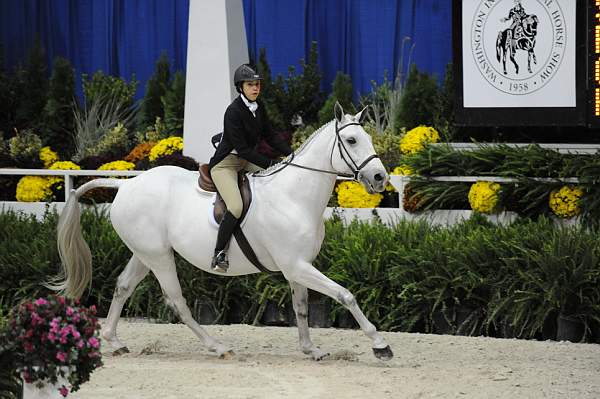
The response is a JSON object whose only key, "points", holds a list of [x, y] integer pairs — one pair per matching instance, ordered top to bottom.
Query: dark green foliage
{"points": [[156, 87], [109, 88], [342, 93], [295, 95], [420, 100], [174, 103], [30, 109], [58, 113], [444, 117], [474, 278]]}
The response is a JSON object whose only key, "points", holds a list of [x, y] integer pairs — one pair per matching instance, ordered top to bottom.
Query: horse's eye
{"points": [[351, 140]]}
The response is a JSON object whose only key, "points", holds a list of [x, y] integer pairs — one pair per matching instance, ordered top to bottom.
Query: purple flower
{"points": [[41, 302], [61, 356]]}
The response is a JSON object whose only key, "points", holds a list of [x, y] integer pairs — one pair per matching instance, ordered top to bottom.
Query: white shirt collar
{"points": [[252, 106]]}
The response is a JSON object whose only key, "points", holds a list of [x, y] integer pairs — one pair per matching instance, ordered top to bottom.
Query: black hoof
{"points": [[121, 351], [383, 353]]}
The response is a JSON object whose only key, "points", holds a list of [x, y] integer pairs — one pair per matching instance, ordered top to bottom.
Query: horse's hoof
{"points": [[121, 351], [383, 353], [227, 355], [321, 356]]}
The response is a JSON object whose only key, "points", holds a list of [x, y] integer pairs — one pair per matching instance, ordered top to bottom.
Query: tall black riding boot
{"points": [[220, 262]]}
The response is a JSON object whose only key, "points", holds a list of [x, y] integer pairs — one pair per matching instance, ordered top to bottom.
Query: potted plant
{"points": [[556, 284], [55, 345]]}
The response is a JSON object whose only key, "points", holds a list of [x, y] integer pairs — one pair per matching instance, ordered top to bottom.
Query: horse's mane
{"points": [[295, 153]]}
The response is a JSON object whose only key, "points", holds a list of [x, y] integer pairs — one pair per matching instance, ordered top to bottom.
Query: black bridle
{"points": [[344, 154]]}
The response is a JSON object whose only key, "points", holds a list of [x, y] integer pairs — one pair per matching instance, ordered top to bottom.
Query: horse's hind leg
{"points": [[164, 269], [134, 272], [307, 275], [300, 302]]}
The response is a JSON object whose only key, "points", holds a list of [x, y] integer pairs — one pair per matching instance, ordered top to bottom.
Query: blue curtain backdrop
{"points": [[363, 38]]}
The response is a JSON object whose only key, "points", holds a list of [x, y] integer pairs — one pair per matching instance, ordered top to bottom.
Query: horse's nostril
{"points": [[378, 177]]}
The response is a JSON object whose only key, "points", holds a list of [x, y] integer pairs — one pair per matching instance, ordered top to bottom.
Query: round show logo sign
{"points": [[518, 45]]}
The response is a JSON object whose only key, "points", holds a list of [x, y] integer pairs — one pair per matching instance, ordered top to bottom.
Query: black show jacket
{"points": [[242, 132]]}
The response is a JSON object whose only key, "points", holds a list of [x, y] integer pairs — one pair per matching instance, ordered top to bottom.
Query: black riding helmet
{"points": [[244, 73]]}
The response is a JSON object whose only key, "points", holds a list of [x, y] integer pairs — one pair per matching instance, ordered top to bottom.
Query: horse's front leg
{"points": [[307, 275], [300, 302]]}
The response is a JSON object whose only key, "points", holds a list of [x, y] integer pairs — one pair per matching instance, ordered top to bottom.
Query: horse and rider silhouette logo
{"points": [[520, 35], [518, 45]]}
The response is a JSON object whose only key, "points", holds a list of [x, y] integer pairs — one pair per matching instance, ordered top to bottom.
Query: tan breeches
{"points": [[224, 175]]}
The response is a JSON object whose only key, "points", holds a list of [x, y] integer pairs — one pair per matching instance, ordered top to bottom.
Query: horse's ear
{"points": [[338, 111], [362, 115]]}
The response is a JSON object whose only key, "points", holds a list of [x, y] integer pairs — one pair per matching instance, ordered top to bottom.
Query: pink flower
{"points": [[61, 300], [41, 302], [93, 309], [70, 311], [76, 318], [35, 319], [75, 333], [51, 337], [63, 340], [93, 341], [80, 344], [28, 346], [94, 354], [61, 356], [26, 377], [64, 391]]}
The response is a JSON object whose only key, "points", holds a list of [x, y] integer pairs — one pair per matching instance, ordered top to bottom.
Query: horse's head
{"points": [[353, 151]]}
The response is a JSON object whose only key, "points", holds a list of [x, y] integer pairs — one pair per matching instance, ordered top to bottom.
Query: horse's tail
{"points": [[74, 252]]}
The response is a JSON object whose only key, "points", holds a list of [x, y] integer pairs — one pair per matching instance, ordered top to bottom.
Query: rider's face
{"points": [[251, 89]]}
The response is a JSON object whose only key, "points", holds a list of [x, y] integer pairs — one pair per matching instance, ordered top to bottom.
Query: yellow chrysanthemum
{"points": [[415, 140], [166, 146], [47, 156], [61, 165], [64, 165], [117, 165], [402, 170], [34, 189], [352, 194], [483, 196], [565, 202]]}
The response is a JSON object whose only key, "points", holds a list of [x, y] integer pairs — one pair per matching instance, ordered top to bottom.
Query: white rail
{"points": [[69, 174]]}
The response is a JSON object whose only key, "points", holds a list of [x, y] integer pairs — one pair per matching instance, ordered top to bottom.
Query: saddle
{"points": [[205, 182]]}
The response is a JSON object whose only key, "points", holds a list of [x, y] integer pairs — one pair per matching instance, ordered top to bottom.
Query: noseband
{"points": [[344, 154]]}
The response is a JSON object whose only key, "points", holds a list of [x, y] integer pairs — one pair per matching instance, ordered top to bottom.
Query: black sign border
{"points": [[580, 115]]}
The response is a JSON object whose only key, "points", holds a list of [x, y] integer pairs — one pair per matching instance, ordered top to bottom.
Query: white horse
{"points": [[162, 210]]}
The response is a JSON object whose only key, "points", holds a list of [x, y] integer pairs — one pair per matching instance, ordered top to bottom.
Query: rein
{"points": [[352, 164]]}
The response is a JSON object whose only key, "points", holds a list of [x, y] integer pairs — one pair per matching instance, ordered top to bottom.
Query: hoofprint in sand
{"points": [[167, 361]]}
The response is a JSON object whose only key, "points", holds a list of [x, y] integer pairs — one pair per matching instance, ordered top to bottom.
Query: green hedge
{"points": [[524, 280]]}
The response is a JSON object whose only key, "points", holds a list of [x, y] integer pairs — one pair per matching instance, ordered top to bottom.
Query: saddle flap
{"points": [[205, 180], [244, 186]]}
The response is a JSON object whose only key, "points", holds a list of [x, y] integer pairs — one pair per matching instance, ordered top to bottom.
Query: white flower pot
{"points": [[47, 390]]}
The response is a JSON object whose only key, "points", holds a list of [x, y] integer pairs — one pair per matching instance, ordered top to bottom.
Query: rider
{"points": [[517, 13], [245, 123]]}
